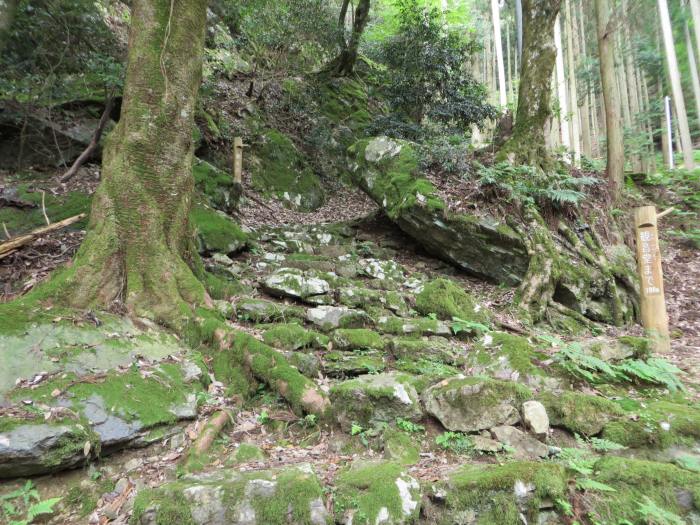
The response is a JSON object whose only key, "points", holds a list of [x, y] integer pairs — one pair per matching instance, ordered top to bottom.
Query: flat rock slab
{"points": [[290, 282], [331, 317], [525, 446]]}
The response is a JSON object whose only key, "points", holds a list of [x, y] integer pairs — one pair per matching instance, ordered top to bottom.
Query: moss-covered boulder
{"points": [[282, 170], [388, 170], [217, 186], [216, 232], [297, 284], [445, 299], [262, 311], [328, 318], [416, 326], [293, 336], [357, 339], [434, 348], [349, 364], [373, 399], [475, 403], [580, 413], [656, 424], [640, 484], [376, 492], [499, 494], [229, 497]]}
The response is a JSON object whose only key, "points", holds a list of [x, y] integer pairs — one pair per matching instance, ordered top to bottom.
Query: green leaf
{"points": [[591, 484]]}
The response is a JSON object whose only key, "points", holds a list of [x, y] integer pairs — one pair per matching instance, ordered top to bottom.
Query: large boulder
{"points": [[590, 279], [475, 403]]}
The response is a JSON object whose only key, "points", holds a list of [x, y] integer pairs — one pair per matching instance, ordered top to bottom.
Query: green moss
{"points": [[345, 101], [284, 172], [215, 184], [399, 186], [58, 207], [216, 232], [221, 288], [447, 300], [262, 311], [413, 325], [293, 336], [357, 339], [641, 346], [519, 354], [342, 364], [492, 392], [580, 413], [657, 424], [401, 447], [247, 452], [634, 480], [367, 488], [489, 488], [84, 499], [292, 502], [172, 507]]}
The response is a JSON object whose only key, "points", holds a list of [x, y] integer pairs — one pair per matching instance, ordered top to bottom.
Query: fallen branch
{"points": [[94, 141], [9, 247], [212, 428]]}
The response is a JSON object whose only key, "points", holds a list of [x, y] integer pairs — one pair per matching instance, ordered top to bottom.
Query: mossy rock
{"points": [[345, 102], [283, 171], [216, 185], [58, 207], [216, 232], [297, 284], [445, 299], [262, 311], [415, 326], [293, 336], [357, 339], [435, 349], [513, 357], [346, 364], [370, 400], [475, 403], [580, 413], [655, 424], [402, 447], [247, 452], [670, 488], [376, 492], [500, 494], [292, 495]]}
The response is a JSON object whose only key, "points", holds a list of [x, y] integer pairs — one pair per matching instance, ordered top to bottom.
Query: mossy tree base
{"points": [[138, 251]]}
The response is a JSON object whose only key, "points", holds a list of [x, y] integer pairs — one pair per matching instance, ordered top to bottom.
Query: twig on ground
{"points": [[12, 245]]}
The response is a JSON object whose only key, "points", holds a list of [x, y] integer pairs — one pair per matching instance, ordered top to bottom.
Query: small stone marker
{"points": [[238, 160], [653, 304]]}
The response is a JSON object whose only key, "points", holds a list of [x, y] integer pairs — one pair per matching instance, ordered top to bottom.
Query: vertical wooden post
{"points": [[238, 160], [654, 317]]}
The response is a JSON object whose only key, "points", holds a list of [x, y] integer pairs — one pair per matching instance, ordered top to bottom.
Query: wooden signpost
{"points": [[238, 160], [654, 317]]}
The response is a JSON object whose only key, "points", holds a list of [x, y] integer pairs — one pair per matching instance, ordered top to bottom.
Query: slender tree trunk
{"points": [[8, 9], [695, 14], [519, 27], [498, 44], [580, 49], [344, 64], [693, 67], [561, 88], [676, 88], [573, 92], [527, 144], [616, 154], [138, 250]]}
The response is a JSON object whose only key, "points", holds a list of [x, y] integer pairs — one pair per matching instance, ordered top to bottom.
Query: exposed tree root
{"points": [[271, 367], [213, 427]]}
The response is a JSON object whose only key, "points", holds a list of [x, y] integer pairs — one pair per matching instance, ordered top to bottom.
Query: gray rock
{"points": [[381, 148], [382, 269], [290, 282], [262, 311], [330, 317], [345, 364], [372, 399], [472, 404], [535, 417], [112, 430], [484, 444], [526, 446], [27, 450], [206, 504]]}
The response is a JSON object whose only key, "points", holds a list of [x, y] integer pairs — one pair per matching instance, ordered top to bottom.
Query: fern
{"points": [[462, 325], [653, 370], [605, 445], [591, 484], [41, 507], [652, 514]]}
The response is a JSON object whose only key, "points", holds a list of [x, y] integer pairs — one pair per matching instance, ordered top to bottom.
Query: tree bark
{"points": [[519, 27], [344, 64], [693, 67], [561, 88], [676, 88], [573, 92], [527, 144], [616, 158], [138, 251]]}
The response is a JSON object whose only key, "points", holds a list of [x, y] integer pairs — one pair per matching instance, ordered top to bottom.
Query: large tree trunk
{"points": [[344, 64], [527, 144], [616, 158], [138, 248]]}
